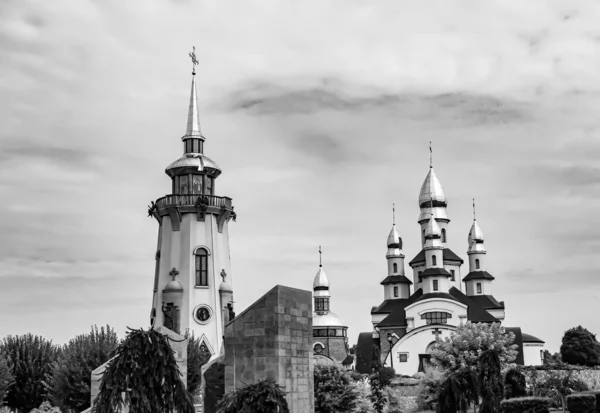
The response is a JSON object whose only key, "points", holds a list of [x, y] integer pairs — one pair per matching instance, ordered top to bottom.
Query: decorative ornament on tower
{"points": [[478, 281], [395, 285], [321, 288]]}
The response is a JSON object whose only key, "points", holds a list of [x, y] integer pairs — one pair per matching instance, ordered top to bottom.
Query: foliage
{"points": [[465, 345], [579, 346], [197, 356], [31, 359], [375, 359], [551, 359], [386, 374], [144, 376], [356, 376], [6, 377], [515, 384], [69, 385], [215, 385], [491, 387], [556, 387], [429, 389], [334, 391], [457, 391], [377, 396], [263, 397], [393, 398], [363, 400], [581, 403], [525, 405], [46, 407]]}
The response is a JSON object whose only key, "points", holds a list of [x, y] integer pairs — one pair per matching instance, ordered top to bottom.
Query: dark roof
{"points": [[447, 253], [429, 272], [478, 275], [396, 279], [435, 295], [487, 301], [393, 306], [475, 313], [528, 338], [364, 352], [348, 360], [520, 360]]}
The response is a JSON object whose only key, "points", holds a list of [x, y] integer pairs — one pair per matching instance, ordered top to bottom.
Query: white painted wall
{"points": [[477, 256], [399, 261], [486, 287], [388, 291], [456, 309], [532, 354]]}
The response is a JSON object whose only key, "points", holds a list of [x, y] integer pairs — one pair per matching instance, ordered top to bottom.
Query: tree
{"points": [[469, 341], [579, 346], [197, 356], [31, 359], [550, 359], [144, 376], [6, 377], [71, 379], [515, 384], [557, 386], [491, 388], [334, 391], [457, 391], [377, 395], [263, 397], [46, 407]]}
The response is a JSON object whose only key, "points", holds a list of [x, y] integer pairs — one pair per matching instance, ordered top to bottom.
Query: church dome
{"points": [[197, 161], [431, 190], [432, 230], [475, 233], [394, 240], [321, 280], [173, 286], [225, 287], [330, 319]]}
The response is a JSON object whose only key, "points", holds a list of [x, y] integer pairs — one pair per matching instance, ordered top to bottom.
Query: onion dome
{"points": [[193, 162], [431, 190], [432, 230], [476, 239], [394, 240], [321, 282], [173, 286], [225, 288], [327, 320]]}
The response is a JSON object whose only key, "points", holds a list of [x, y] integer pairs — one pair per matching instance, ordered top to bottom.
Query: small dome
{"points": [[192, 160], [431, 189], [432, 230], [475, 234], [394, 240], [320, 279], [173, 286], [225, 287], [327, 320]]}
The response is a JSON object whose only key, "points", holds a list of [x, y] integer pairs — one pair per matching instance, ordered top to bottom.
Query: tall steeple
{"points": [[433, 200], [478, 281], [395, 285], [321, 288]]}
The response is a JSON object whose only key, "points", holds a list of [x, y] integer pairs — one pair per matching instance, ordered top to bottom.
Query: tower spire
{"points": [[193, 121]]}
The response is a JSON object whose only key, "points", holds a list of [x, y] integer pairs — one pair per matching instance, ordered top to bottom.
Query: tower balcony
{"points": [[175, 206]]}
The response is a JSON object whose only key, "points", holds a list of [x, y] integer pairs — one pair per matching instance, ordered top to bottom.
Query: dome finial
{"points": [[192, 54], [430, 156], [393, 214], [474, 218], [320, 257]]}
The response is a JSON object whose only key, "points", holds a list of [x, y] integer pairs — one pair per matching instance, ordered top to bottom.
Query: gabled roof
{"points": [[447, 254], [430, 272], [478, 275], [396, 279], [487, 301], [392, 306], [475, 312], [528, 338]]}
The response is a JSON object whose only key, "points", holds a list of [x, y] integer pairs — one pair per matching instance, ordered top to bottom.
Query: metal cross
{"points": [[194, 60], [430, 156], [394, 214], [474, 218], [320, 257], [174, 273], [223, 274], [437, 333]]}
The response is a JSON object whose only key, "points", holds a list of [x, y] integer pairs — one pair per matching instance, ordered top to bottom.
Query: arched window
{"points": [[443, 234], [201, 257], [433, 260], [477, 263], [395, 266], [420, 277], [435, 285], [478, 288], [395, 291], [436, 317]]}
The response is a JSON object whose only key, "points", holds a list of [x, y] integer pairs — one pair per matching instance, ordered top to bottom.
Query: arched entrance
{"points": [[424, 358]]}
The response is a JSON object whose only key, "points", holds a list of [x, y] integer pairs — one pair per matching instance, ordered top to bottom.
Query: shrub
{"points": [[579, 346], [386, 374], [356, 376], [214, 377], [515, 384], [557, 386], [491, 387], [429, 389], [333, 390], [458, 391], [596, 394], [263, 397], [393, 399], [363, 400], [581, 403], [525, 405], [46, 407]]}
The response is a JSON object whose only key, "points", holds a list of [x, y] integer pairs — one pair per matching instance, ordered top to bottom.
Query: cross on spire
{"points": [[192, 55], [430, 156], [394, 214], [474, 219], [320, 257], [174, 273]]}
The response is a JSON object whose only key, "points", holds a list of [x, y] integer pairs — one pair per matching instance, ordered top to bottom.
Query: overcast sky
{"points": [[320, 115]]}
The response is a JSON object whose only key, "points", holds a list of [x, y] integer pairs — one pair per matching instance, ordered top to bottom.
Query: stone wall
{"points": [[272, 340]]}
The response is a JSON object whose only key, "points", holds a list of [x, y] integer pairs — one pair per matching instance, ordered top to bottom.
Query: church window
{"points": [[196, 184], [183, 185], [208, 186], [443, 234], [201, 257], [433, 260], [477, 263], [395, 267], [420, 277], [452, 277], [435, 285], [478, 288], [395, 291], [321, 304], [436, 317], [315, 332], [318, 348], [403, 357]]}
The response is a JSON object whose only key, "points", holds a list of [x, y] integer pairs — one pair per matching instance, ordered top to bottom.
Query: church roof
{"points": [[431, 190], [448, 256], [429, 272], [478, 275], [396, 279], [487, 301], [475, 312], [528, 338], [348, 360]]}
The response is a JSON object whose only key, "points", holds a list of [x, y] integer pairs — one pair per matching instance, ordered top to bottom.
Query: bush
{"points": [[579, 346], [386, 374], [357, 376], [515, 384], [215, 386], [429, 389], [334, 391], [458, 391], [596, 394], [263, 397], [363, 400], [581, 403], [525, 405], [46, 407]]}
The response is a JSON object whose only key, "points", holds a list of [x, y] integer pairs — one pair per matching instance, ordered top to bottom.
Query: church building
{"points": [[416, 312]]}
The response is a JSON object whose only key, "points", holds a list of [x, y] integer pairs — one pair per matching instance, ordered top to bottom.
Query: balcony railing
{"points": [[192, 200]]}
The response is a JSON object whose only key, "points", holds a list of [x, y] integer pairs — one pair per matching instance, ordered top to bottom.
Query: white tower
{"points": [[434, 279], [478, 281], [192, 284], [395, 285]]}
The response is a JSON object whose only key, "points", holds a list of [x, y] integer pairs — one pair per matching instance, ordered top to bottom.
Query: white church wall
{"points": [[457, 275], [486, 287], [458, 311], [533, 353]]}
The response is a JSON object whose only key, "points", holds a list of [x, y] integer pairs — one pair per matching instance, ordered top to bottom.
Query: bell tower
{"points": [[192, 282]]}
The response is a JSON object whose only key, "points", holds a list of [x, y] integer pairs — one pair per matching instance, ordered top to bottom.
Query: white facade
{"points": [[533, 354]]}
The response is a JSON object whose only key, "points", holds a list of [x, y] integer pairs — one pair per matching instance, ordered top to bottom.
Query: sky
{"points": [[320, 115]]}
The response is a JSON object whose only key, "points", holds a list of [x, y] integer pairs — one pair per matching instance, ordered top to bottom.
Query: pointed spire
{"points": [[193, 122]]}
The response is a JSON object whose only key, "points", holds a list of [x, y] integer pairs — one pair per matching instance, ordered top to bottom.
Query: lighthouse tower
{"points": [[192, 283]]}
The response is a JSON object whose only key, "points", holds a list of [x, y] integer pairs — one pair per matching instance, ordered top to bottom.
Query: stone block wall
{"points": [[272, 340]]}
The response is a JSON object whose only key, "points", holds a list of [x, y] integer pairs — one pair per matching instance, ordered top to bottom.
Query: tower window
{"points": [[197, 184], [183, 185], [208, 186], [443, 234], [423, 236], [201, 257], [433, 260], [477, 263], [395, 266], [420, 278], [452, 278], [435, 285], [478, 288], [395, 291], [321, 304], [403, 357]]}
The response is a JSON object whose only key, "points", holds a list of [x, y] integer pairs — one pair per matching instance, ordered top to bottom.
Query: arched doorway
{"points": [[425, 357]]}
